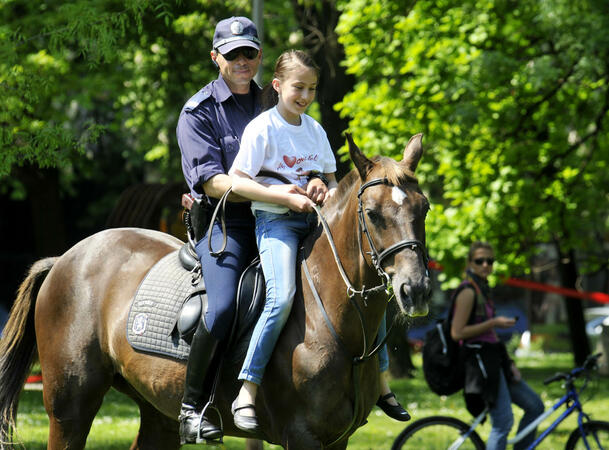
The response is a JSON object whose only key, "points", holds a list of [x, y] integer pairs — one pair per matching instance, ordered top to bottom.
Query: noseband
{"points": [[377, 257]]}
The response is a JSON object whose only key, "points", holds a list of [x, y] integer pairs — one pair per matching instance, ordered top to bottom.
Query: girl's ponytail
{"points": [[270, 97]]}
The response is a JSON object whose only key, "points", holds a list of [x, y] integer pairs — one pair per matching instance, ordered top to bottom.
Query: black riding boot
{"points": [[203, 355]]}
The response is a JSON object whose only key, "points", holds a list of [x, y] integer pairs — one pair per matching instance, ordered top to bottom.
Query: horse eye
{"points": [[373, 215]]}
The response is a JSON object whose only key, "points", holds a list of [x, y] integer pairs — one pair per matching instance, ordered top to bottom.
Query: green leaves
{"points": [[512, 108]]}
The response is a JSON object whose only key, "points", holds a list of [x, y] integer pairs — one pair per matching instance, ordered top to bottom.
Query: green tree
{"points": [[74, 71], [91, 86], [92, 91], [513, 100]]}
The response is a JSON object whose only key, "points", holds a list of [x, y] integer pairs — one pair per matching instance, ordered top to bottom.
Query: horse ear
{"points": [[413, 152], [363, 164]]}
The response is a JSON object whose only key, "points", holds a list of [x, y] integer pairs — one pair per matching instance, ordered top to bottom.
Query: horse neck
{"points": [[341, 216]]}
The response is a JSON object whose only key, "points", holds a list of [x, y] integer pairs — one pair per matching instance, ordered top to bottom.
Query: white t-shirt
{"points": [[270, 143]]}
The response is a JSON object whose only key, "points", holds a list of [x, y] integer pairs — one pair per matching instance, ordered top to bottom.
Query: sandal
{"points": [[396, 412], [245, 423]]}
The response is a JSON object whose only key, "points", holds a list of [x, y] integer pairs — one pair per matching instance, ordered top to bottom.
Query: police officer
{"points": [[209, 129]]}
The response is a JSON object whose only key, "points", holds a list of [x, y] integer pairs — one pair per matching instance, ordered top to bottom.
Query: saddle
{"points": [[250, 296], [171, 298]]}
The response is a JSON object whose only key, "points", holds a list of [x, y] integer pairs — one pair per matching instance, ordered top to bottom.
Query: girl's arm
{"points": [[247, 187], [463, 307]]}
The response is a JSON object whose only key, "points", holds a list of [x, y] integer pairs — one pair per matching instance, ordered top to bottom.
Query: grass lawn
{"points": [[117, 422]]}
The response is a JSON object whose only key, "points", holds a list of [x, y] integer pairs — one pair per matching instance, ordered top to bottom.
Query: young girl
{"points": [[286, 141], [290, 143]]}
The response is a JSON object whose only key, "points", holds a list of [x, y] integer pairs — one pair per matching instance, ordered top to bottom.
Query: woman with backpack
{"points": [[491, 377]]}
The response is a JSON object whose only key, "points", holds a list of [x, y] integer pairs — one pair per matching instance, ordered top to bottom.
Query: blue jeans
{"points": [[278, 237], [502, 418]]}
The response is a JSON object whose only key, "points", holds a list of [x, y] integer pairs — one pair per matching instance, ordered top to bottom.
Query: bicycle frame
{"points": [[571, 399], [455, 445]]}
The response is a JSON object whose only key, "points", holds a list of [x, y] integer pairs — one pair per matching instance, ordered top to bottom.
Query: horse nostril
{"points": [[428, 289], [407, 293]]}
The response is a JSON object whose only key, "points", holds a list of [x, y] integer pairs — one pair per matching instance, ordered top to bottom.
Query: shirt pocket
{"points": [[230, 147]]}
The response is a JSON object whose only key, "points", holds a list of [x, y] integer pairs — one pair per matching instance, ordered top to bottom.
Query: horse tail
{"points": [[18, 347]]}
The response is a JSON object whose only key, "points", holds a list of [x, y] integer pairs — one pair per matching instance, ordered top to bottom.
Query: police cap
{"points": [[235, 32]]}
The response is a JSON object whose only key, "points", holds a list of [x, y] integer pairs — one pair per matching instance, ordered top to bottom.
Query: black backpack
{"points": [[443, 366]]}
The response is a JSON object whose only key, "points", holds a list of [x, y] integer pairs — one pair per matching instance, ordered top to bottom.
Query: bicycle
{"points": [[443, 432]]}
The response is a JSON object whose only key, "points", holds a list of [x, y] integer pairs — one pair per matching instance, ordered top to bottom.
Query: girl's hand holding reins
{"points": [[287, 188], [317, 190], [329, 194], [299, 203]]}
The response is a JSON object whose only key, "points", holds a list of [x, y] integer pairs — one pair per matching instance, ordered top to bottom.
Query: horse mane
{"points": [[384, 167], [396, 173]]}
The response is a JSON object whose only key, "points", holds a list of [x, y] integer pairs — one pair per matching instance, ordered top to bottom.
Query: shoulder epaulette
{"points": [[196, 99]]}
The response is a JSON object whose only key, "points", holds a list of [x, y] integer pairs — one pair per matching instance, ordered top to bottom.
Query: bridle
{"points": [[377, 257]]}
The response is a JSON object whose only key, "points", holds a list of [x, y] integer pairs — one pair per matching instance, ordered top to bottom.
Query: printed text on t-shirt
{"points": [[291, 161]]}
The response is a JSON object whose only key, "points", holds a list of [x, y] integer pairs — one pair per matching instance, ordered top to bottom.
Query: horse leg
{"points": [[75, 372], [71, 407], [156, 430], [307, 441], [253, 444]]}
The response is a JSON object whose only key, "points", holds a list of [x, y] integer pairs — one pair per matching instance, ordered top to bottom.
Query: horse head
{"points": [[391, 213]]}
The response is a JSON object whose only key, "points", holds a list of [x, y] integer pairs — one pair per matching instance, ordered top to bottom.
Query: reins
{"points": [[221, 207]]}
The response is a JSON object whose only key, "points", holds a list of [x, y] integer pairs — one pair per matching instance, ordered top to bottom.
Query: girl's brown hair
{"points": [[286, 62]]}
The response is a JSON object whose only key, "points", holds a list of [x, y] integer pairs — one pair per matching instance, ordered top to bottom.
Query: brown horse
{"points": [[73, 310]]}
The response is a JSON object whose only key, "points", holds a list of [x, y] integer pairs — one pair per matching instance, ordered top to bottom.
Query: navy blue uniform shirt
{"points": [[209, 131]]}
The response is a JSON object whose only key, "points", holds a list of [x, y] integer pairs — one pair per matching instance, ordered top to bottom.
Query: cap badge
{"points": [[236, 27]]}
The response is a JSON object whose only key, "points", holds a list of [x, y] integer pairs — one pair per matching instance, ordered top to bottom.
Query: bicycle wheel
{"points": [[437, 433], [597, 436]]}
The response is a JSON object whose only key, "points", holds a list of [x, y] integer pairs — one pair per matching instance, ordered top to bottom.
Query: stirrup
{"points": [[188, 436], [203, 440]]}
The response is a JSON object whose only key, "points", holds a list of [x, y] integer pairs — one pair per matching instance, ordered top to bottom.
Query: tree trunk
{"points": [[318, 21], [42, 187], [575, 313], [253, 444]]}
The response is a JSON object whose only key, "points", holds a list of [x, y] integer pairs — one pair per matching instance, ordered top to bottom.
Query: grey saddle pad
{"points": [[153, 313]]}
